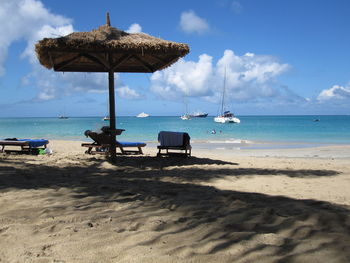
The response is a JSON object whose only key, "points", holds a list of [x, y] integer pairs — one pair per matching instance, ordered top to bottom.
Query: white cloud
{"points": [[27, 20], [30, 21], [191, 23], [134, 28], [44, 31], [185, 78], [248, 78], [58, 84], [126, 93], [334, 93]]}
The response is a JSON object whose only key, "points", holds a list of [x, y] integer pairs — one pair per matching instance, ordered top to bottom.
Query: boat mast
{"points": [[223, 94], [186, 105]]}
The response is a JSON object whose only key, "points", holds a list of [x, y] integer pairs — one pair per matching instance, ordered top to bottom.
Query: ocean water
{"points": [[278, 129]]}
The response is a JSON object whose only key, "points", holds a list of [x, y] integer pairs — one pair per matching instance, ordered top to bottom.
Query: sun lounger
{"points": [[174, 141], [101, 143], [30, 146], [95, 148]]}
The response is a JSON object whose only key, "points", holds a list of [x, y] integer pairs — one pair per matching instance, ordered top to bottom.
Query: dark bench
{"points": [[174, 144]]}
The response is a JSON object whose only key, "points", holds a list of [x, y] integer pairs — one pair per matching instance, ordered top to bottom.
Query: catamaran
{"points": [[226, 116]]}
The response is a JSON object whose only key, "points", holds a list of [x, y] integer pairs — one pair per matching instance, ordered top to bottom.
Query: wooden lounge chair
{"points": [[173, 142], [101, 143], [29, 146], [96, 148]]}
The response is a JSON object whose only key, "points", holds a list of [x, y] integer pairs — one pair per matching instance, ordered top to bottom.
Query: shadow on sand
{"points": [[208, 221]]}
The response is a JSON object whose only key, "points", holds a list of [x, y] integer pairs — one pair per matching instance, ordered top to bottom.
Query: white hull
{"points": [[142, 115], [226, 116], [185, 117], [222, 119]]}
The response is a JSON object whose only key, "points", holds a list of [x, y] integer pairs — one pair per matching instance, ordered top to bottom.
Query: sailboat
{"points": [[63, 116], [186, 116], [226, 116], [106, 118]]}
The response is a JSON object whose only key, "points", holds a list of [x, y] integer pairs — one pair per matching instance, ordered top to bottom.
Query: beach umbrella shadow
{"points": [[209, 221]]}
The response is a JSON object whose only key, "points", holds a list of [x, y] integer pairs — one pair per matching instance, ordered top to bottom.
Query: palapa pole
{"points": [[112, 122], [112, 125]]}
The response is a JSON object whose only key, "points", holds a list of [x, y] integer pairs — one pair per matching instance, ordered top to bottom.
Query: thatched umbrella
{"points": [[108, 49]]}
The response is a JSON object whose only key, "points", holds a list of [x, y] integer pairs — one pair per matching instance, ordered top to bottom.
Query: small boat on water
{"points": [[142, 115], [199, 115], [226, 116], [62, 117], [185, 117], [106, 118]]}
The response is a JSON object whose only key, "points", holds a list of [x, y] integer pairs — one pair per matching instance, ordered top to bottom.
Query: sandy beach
{"points": [[253, 205]]}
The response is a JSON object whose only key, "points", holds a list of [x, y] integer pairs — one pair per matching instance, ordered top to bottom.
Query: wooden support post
{"points": [[112, 121]]}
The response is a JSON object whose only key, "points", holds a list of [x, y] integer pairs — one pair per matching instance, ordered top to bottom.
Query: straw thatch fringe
{"points": [[107, 39]]}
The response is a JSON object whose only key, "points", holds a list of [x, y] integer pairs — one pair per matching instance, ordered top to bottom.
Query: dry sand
{"points": [[290, 205]]}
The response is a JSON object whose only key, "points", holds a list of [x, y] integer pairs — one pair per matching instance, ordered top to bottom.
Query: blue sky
{"points": [[280, 57]]}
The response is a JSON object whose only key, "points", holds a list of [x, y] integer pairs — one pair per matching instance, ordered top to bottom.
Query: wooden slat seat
{"points": [[102, 141], [169, 146], [95, 148]]}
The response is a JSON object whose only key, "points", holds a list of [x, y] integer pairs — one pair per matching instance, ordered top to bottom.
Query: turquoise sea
{"points": [[275, 129]]}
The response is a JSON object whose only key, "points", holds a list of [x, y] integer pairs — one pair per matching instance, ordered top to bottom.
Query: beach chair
{"points": [[102, 140], [173, 142], [28, 146]]}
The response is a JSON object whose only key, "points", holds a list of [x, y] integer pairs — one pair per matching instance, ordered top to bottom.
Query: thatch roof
{"points": [[106, 48]]}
